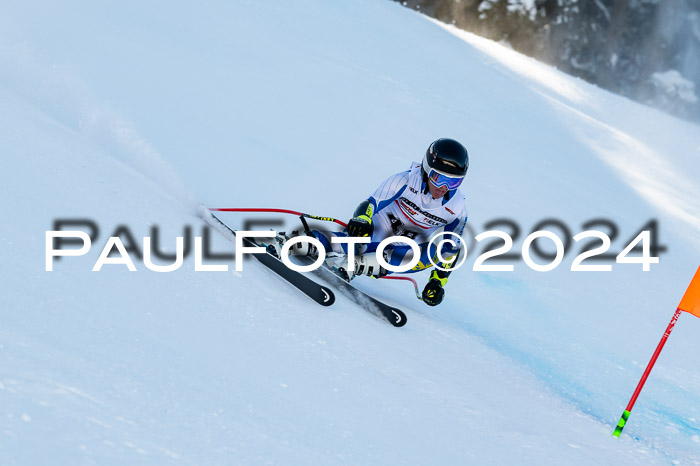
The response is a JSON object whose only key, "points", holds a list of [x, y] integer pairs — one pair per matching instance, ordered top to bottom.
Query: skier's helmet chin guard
{"points": [[445, 163]]}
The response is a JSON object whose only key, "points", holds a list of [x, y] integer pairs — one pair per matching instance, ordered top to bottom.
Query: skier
{"points": [[415, 203]]}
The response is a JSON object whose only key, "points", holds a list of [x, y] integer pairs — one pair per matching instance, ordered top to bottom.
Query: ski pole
{"points": [[282, 211], [415, 285], [655, 356]]}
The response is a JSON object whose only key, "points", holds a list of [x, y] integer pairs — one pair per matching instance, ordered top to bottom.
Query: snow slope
{"points": [[133, 113]]}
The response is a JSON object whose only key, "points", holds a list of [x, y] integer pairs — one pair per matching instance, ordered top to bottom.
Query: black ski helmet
{"points": [[446, 156]]}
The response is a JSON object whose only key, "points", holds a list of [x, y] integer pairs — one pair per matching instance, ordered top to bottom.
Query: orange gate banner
{"points": [[691, 298]]}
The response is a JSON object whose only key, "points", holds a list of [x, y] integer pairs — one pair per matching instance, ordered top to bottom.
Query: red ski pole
{"points": [[281, 211], [415, 285], [633, 400]]}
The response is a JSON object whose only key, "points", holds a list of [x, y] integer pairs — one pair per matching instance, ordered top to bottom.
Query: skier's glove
{"points": [[360, 226], [434, 291]]}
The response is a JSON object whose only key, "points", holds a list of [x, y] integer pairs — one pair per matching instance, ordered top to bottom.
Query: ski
{"points": [[319, 293], [394, 316]]}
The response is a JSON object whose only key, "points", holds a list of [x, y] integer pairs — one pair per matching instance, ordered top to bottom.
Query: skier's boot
{"points": [[274, 246], [364, 264]]}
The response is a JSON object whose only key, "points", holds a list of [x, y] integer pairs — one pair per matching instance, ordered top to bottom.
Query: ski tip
{"points": [[328, 298], [399, 318]]}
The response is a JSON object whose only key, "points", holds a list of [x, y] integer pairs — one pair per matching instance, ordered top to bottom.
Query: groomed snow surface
{"points": [[134, 113]]}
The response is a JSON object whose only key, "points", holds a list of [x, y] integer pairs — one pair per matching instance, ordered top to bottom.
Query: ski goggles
{"points": [[440, 179]]}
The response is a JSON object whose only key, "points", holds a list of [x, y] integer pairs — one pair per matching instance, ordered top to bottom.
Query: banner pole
{"points": [[633, 400]]}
